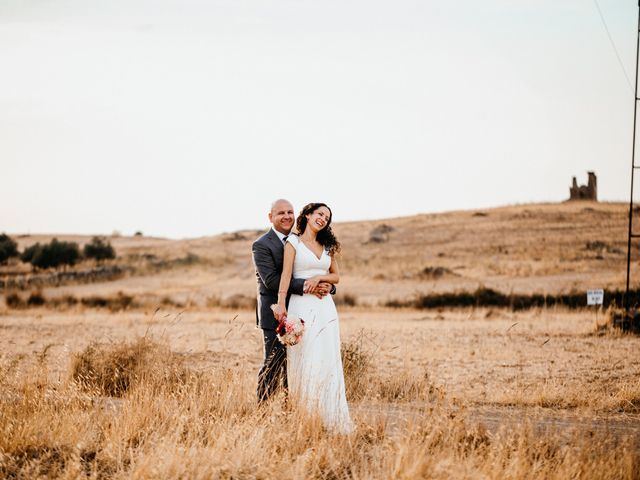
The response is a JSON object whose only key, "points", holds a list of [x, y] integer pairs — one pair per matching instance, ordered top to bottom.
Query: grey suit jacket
{"points": [[268, 255]]}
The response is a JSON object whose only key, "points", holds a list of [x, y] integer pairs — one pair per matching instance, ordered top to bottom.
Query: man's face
{"points": [[281, 217]]}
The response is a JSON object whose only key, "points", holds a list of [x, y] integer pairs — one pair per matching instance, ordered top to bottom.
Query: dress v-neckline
{"points": [[312, 252]]}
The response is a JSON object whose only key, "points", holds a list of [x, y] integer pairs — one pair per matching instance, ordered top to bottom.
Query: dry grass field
{"points": [[541, 248], [162, 386]]}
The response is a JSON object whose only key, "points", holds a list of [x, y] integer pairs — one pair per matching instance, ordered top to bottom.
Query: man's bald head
{"points": [[280, 204], [281, 216]]}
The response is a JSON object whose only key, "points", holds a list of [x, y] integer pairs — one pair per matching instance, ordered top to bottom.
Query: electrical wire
{"points": [[613, 45]]}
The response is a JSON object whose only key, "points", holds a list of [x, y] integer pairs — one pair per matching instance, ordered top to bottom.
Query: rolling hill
{"points": [[533, 248]]}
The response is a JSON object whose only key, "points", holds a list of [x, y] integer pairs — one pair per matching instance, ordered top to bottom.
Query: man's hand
{"points": [[310, 285], [322, 289]]}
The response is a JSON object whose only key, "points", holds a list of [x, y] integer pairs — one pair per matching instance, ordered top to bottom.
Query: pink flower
{"points": [[290, 330]]}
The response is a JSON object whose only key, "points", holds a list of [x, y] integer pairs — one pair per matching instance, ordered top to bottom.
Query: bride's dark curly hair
{"points": [[325, 237]]}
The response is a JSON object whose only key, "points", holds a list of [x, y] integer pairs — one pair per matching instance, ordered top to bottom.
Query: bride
{"points": [[314, 365]]}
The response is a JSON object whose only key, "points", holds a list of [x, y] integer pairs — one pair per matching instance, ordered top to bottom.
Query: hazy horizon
{"points": [[186, 119], [266, 225]]}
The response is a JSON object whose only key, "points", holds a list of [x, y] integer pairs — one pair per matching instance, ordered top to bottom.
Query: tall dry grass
{"points": [[165, 420]]}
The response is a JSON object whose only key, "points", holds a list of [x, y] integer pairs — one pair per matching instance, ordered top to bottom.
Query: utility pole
{"points": [[627, 300]]}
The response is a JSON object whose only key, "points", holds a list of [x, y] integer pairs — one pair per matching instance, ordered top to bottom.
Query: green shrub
{"points": [[8, 248], [99, 249], [30, 252], [52, 255], [487, 297], [36, 299], [347, 299], [13, 300], [63, 301], [121, 301]]}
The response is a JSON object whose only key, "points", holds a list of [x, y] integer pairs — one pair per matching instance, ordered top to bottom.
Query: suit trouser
{"points": [[273, 373]]}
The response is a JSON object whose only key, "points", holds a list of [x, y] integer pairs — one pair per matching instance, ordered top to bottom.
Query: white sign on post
{"points": [[595, 297]]}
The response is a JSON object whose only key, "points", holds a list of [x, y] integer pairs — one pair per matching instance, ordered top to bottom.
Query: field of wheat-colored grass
{"points": [[152, 373], [462, 394]]}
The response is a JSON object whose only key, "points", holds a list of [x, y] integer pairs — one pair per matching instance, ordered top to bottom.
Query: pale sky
{"points": [[186, 118]]}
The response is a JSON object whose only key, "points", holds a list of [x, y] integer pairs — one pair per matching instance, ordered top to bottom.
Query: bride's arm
{"points": [[332, 277], [285, 280]]}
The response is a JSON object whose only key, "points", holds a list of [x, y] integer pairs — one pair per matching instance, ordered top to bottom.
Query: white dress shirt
{"points": [[281, 236]]}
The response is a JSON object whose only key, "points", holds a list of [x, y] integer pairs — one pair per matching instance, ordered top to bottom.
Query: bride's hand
{"points": [[310, 284], [322, 290], [279, 311]]}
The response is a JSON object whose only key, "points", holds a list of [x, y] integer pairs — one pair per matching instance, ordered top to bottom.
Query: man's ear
{"points": [[270, 217]]}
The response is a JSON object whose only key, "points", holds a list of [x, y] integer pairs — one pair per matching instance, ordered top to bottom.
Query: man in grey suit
{"points": [[268, 254]]}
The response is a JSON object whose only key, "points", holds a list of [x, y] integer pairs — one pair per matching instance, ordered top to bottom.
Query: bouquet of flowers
{"points": [[290, 330]]}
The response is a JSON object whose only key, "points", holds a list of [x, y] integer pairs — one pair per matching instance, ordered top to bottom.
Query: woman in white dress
{"points": [[314, 365]]}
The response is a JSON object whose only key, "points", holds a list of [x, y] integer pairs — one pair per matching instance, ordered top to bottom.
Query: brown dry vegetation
{"points": [[541, 248], [152, 374], [466, 394], [205, 425]]}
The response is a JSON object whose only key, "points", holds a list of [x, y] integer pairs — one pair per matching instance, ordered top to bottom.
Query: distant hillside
{"points": [[545, 248]]}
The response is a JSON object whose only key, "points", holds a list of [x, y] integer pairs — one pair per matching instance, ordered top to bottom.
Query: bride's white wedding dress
{"points": [[314, 366]]}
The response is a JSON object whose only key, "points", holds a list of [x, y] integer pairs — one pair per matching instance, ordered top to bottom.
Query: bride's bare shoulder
{"points": [[293, 239]]}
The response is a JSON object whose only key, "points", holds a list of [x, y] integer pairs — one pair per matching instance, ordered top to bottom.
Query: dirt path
{"points": [[564, 423]]}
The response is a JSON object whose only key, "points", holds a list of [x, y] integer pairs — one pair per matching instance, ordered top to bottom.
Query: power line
{"points": [[613, 44]]}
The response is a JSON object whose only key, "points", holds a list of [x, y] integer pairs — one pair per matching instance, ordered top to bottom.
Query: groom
{"points": [[268, 254]]}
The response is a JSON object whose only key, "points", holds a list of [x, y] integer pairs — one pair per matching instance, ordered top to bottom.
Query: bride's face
{"points": [[318, 219]]}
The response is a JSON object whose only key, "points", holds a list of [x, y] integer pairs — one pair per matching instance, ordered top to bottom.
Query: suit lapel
{"points": [[278, 248]]}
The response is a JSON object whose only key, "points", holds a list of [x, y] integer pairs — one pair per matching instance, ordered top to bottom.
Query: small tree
{"points": [[8, 248], [100, 249], [30, 252], [69, 253], [52, 255]]}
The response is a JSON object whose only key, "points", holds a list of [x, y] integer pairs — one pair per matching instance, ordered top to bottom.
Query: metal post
{"points": [[633, 168]]}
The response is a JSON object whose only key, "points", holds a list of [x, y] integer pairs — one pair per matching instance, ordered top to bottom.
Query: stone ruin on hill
{"points": [[585, 192]]}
